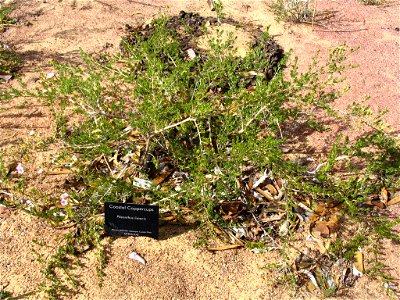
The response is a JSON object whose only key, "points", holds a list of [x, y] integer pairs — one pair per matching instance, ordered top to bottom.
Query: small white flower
{"points": [[191, 54], [50, 75], [32, 132], [20, 168], [64, 199], [29, 204], [59, 214]]}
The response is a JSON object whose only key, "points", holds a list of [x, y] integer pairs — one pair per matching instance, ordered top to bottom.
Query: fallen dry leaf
{"points": [[162, 176], [251, 182], [271, 189], [266, 194], [384, 195], [394, 200], [377, 203], [230, 210], [320, 210], [276, 217], [169, 218], [314, 218], [62, 224], [333, 224], [320, 229], [217, 230], [322, 247], [304, 261], [359, 261], [312, 284]]}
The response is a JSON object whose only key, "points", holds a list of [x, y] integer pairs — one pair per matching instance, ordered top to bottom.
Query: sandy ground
{"points": [[52, 29]]}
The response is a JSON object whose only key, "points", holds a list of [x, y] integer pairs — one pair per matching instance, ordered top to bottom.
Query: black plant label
{"points": [[128, 219]]}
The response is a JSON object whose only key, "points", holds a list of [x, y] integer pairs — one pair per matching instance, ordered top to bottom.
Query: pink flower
{"points": [[20, 168], [40, 171], [64, 199]]}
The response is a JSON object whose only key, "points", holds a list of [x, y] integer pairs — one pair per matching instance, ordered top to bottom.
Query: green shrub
{"points": [[296, 11], [211, 118]]}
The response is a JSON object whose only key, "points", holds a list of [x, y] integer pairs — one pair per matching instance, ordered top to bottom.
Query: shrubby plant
{"points": [[373, 2], [296, 11], [5, 19], [153, 109]]}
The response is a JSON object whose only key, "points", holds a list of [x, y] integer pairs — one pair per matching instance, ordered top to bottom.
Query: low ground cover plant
{"points": [[373, 2], [5, 19], [10, 61], [209, 137]]}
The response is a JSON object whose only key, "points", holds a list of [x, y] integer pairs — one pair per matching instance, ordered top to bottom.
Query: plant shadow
{"points": [[31, 59], [168, 230]]}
